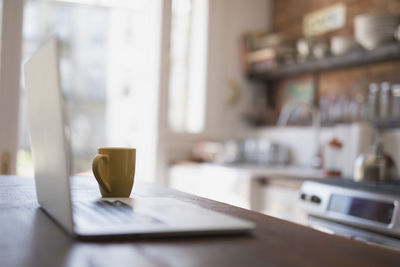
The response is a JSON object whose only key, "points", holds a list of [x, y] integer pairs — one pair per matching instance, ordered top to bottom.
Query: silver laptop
{"points": [[102, 217]]}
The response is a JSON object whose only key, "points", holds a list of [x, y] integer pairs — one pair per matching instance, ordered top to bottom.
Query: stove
{"points": [[389, 188], [365, 211]]}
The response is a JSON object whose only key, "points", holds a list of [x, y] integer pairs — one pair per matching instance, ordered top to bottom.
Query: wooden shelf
{"points": [[360, 57], [386, 124]]}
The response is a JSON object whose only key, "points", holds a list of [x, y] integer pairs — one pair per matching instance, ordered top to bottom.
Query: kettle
{"points": [[375, 165]]}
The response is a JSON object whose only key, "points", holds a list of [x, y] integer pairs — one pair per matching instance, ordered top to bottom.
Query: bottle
{"points": [[373, 101], [385, 101], [332, 151]]}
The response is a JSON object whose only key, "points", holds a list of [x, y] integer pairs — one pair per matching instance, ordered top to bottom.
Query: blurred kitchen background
{"points": [[233, 100]]}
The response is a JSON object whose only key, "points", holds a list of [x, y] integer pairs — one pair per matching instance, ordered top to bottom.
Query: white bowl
{"points": [[373, 30]]}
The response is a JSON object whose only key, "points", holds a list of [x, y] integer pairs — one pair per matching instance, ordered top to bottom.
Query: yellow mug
{"points": [[114, 170]]}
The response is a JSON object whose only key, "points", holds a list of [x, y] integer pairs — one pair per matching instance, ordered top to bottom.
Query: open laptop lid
{"points": [[47, 129]]}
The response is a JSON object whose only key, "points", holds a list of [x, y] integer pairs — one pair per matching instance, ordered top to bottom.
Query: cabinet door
{"points": [[215, 182], [281, 199]]}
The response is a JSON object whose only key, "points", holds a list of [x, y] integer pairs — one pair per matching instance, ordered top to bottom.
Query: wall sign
{"points": [[324, 20]]}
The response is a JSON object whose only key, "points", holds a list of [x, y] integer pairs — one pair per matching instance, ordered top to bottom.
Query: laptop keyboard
{"points": [[103, 212]]}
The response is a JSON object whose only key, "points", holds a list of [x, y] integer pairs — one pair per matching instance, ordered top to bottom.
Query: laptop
{"points": [[102, 217]]}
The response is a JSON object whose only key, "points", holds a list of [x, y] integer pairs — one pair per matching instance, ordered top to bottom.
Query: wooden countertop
{"points": [[29, 238]]}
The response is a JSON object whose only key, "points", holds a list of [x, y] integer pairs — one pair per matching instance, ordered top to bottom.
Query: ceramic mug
{"points": [[114, 170]]}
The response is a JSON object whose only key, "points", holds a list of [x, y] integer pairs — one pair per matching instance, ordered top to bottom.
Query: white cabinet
{"points": [[217, 183], [279, 198]]}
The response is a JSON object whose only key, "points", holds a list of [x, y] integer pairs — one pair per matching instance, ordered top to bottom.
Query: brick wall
{"points": [[288, 15]]}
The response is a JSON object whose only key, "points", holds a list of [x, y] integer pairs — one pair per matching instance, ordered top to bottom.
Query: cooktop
{"points": [[390, 188]]}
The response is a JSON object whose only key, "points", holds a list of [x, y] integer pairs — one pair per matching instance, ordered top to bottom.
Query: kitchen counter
{"points": [[258, 171], [273, 190], [30, 238]]}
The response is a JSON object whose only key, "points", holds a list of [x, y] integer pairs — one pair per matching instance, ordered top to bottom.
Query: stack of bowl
{"points": [[373, 30]]}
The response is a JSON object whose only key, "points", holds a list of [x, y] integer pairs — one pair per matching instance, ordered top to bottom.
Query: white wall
{"points": [[228, 21], [356, 139], [300, 140], [392, 145]]}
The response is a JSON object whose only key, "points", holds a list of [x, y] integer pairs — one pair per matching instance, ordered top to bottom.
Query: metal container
{"points": [[385, 100], [373, 101], [396, 101], [375, 165]]}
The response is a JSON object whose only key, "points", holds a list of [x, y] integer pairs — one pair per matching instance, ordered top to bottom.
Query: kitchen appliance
{"points": [[375, 165], [364, 211]]}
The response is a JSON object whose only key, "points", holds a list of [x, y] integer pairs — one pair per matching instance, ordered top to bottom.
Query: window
{"points": [[188, 58], [108, 69]]}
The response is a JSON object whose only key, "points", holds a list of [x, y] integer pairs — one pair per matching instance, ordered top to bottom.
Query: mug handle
{"points": [[97, 161]]}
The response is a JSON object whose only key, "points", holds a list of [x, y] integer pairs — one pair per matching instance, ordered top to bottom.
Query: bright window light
{"points": [[188, 57], [108, 65]]}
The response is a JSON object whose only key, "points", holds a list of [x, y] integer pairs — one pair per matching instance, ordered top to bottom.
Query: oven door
{"points": [[354, 233]]}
